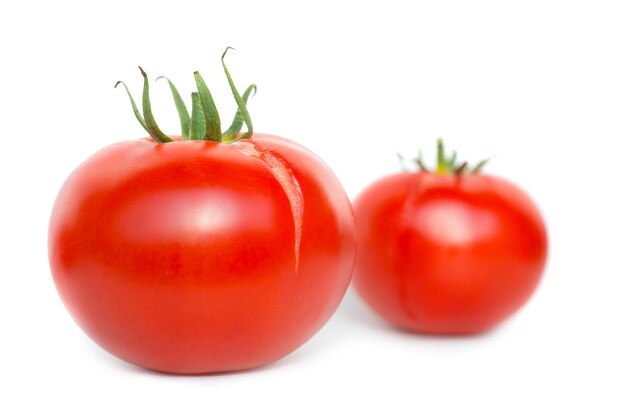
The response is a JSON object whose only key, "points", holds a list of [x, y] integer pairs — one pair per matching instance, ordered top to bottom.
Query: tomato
{"points": [[447, 253], [193, 256], [189, 257]]}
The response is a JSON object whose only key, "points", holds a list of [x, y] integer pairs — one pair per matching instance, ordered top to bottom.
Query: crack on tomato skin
{"points": [[284, 175], [416, 186]]}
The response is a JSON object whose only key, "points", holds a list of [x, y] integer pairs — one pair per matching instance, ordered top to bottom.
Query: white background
{"points": [[540, 85]]}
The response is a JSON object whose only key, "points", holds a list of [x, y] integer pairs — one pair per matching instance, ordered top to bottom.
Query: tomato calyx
{"points": [[204, 122], [445, 164]]}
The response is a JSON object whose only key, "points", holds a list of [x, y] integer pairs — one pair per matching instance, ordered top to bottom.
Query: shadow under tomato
{"points": [[126, 367]]}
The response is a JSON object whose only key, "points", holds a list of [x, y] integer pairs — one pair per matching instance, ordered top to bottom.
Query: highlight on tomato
{"points": [[448, 250], [206, 252]]}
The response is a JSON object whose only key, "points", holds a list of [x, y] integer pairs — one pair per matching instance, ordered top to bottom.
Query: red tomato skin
{"points": [[447, 254], [180, 257]]}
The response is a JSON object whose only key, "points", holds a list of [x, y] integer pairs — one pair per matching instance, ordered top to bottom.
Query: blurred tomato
{"points": [[449, 251]]}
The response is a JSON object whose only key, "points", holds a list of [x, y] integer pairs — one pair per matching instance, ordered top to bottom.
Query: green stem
{"points": [[441, 158]]}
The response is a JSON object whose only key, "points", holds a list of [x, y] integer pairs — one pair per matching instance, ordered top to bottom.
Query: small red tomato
{"points": [[447, 252], [199, 256]]}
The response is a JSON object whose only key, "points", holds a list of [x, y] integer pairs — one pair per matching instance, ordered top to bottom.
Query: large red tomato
{"points": [[447, 252], [195, 256]]}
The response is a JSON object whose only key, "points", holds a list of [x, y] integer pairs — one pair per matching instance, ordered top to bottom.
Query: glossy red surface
{"points": [[447, 254], [184, 257]]}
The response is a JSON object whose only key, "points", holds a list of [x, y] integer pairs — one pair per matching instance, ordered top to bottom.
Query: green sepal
{"points": [[241, 104], [134, 105], [183, 114], [238, 120], [204, 121], [151, 125], [212, 128], [196, 131], [401, 161], [420, 161], [451, 161], [445, 164], [479, 166], [461, 169]]}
